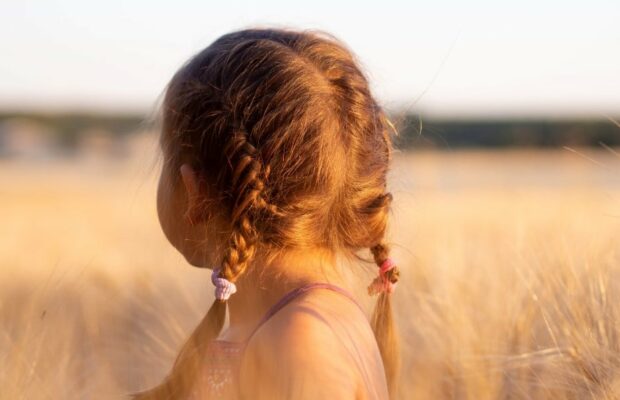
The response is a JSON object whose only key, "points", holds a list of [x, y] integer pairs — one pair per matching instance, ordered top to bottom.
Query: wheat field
{"points": [[509, 290]]}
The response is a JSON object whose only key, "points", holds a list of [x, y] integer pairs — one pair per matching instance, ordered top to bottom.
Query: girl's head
{"points": [[283, 147]]}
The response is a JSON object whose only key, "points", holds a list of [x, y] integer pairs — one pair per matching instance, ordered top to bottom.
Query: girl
{"points": [[275, 163]]}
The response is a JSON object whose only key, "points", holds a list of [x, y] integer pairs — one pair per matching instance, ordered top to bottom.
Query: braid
{"points": [[248, 176], [248, 189], [380, 253], [382, 321]]}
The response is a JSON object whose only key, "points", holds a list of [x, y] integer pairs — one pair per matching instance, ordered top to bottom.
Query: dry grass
{"points": [[511, 268]]}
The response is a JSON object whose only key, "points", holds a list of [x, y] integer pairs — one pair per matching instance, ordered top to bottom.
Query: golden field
{"points": [[510, 287]]}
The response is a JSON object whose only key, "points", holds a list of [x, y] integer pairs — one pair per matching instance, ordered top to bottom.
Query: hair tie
{"points": [[382, 283], [223, 287]]}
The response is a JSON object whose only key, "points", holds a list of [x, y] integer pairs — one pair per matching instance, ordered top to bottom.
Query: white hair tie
{"points": [[223, 287]]}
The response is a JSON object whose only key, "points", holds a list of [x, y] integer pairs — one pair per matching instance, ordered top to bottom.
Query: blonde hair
{"points": [[284, 125]]}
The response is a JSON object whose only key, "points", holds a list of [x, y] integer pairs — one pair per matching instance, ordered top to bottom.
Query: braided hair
{"points": [[285, 126]]}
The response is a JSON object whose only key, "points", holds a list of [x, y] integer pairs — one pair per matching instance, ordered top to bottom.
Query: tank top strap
{"points": [[287, 298]]}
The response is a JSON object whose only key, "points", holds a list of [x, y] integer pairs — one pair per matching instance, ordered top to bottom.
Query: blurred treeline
{"points": [[416, 132], [71, 133], [45, 135]]}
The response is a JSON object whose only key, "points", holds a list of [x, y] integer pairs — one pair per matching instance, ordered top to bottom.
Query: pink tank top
{"points": [[219, 378]]}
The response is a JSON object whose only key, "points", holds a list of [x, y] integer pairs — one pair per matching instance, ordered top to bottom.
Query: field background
{"points": [[510, 263]]}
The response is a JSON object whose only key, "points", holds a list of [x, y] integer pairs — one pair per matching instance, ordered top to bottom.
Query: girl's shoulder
{"points": [[319, 344]]}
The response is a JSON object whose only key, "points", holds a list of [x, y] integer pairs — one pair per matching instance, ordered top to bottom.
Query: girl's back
{"points": [[285, 343]]}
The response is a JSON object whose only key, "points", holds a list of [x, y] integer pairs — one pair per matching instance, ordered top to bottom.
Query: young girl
{"points": [[275, 163]]}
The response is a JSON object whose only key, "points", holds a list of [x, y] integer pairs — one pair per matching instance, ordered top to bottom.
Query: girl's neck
{"points": [[265, 281]]}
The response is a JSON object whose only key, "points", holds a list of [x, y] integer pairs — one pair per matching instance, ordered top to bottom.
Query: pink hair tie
{"points": [[382, 282], [223, 287]]}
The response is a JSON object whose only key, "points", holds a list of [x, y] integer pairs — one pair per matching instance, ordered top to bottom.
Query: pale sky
{"points": [[475, 58]]}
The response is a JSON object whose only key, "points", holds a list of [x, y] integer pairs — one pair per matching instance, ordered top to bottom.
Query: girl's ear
{"points": [[190, 183]]}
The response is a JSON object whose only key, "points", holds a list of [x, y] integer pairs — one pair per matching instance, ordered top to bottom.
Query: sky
{"points": [[445, 58]]}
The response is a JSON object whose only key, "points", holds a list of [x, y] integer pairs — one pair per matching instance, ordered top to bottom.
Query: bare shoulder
{"points": [[318, 345]]}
